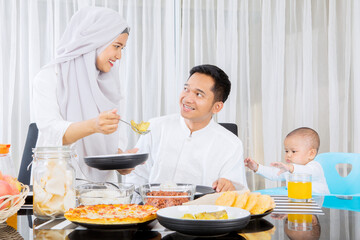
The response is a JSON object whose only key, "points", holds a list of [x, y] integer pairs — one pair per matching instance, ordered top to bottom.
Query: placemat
{"points": [[285, 206]]}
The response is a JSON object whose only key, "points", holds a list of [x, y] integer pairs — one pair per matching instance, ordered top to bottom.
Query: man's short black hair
{"points": [[222, 84]]}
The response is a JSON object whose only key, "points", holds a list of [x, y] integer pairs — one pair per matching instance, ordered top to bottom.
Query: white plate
{"points": [[171, 218]]}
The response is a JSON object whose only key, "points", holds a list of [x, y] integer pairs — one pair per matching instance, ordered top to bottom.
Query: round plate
{"points": [[116, 161], [256, 216], [171, 218], [113, 226]]}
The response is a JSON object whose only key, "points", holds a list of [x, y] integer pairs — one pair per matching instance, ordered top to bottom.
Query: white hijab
{"points": [[82, 91]]}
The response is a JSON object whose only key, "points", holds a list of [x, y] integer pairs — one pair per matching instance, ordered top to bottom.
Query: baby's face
{"points": [[297, 150]]}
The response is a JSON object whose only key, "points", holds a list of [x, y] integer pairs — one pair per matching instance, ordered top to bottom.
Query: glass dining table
{"points": [[339, 218]]}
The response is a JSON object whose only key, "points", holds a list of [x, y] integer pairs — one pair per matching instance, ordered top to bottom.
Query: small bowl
{"points": [[104, 193], [161, 196]]}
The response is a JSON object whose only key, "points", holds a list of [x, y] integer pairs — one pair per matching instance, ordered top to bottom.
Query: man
{"points": [[193, 148]]}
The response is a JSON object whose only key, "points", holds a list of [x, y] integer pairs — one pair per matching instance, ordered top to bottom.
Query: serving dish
{"points": [[116, 161], [104, 193], [161, 196], [171, 218]]}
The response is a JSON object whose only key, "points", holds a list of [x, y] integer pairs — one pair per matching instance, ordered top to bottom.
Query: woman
{"points": [[77, 96]]}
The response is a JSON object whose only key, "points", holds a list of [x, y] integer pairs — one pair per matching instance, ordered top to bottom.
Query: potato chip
{"points": [[226, 199], [241, 200], [251, 201], [262, 205]]}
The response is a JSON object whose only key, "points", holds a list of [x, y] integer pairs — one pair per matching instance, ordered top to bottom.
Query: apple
{"points": [[14, 183], [5, 189]]}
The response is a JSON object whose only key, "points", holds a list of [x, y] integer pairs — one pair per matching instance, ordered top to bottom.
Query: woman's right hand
{"points": [[107, 122]]}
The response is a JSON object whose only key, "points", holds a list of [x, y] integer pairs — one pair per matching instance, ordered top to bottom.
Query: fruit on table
{"points": [[8, 186]]}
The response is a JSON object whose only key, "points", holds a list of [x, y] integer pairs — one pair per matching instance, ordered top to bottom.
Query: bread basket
{"points": [[16, 201]]}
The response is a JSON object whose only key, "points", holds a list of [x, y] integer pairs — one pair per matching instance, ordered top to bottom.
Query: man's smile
{"points": [[188, 108]]}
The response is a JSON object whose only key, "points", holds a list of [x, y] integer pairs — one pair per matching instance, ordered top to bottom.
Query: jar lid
{"points": [[4, 148], [64, 149]]}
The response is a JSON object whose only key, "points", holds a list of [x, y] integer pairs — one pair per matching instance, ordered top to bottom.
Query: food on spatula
{"points": [[141, 127], [255, 203], [207, 215]]}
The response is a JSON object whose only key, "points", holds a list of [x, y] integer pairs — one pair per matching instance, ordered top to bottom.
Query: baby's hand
{"points": [[251, 164], [284, 167]]}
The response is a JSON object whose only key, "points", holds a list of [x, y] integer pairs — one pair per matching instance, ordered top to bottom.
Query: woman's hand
{"points": [[107, 122]]}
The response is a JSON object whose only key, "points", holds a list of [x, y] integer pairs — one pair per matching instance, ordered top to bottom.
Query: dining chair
{"points": [[232, 127], [24, 172], [337, 184]]}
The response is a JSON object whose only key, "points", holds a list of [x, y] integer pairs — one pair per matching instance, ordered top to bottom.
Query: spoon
{"points": [[135, 129]]}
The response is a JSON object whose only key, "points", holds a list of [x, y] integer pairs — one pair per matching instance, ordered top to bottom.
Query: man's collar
{"points": [[187, 130]]}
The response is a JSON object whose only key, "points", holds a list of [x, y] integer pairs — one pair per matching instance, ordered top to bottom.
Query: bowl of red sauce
{"points": [[167, 195]]}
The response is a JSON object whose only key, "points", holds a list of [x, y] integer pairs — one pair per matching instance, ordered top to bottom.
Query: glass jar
{"points": [[53, 182]]}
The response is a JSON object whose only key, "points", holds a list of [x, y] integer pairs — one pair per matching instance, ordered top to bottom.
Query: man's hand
{"points": [[107, 122], [134, 150], [251, 164], [284, 167], [129, 170], [125, 171], [223, 185]]}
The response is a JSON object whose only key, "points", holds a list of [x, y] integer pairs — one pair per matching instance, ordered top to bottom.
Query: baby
{"points": [[301, 146]]}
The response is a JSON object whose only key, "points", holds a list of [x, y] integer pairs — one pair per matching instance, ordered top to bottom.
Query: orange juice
{"points": [[299, 190], [300, 218], [12, 221], [300, 222]]}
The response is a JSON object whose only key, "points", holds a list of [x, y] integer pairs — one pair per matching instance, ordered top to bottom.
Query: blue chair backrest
{"points": [[337, 184]]}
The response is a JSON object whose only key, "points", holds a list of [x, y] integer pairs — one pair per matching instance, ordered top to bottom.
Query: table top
{"points": [[338, 218]]}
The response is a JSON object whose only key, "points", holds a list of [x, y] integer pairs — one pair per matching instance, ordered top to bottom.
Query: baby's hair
{"points": [[310, 134]]}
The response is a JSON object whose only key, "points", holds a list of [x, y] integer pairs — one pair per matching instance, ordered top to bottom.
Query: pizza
{"points": [[111, 214]]}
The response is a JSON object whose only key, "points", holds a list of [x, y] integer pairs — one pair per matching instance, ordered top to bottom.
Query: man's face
{"points": [[107, 58], [197, 99], [297, 150]]}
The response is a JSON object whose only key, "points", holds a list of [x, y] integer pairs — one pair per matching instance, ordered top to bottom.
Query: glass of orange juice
{"points": [[299, 187], [300, 222]]}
